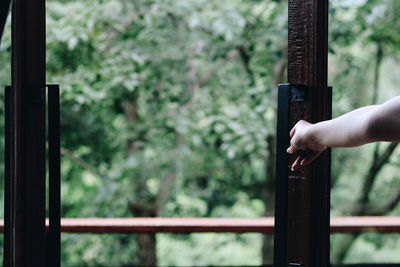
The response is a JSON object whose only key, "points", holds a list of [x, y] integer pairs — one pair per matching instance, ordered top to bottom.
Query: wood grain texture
{"points": [[301, 42], [308, 189], [299, 196], [214, 225]]}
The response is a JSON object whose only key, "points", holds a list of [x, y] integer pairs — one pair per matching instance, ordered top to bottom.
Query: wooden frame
{"points": [[302, 203], [302, 230], [26, 241]]}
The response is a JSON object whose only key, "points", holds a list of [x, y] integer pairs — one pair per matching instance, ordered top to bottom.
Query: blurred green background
{"points": [[169, 109]]}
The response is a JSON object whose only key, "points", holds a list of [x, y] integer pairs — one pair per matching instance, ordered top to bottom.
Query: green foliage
{"points": [[169, 104], [211, 249]]}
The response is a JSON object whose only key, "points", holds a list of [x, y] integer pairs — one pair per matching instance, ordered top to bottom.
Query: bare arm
{"points": [[384, 123], [358, 127]]}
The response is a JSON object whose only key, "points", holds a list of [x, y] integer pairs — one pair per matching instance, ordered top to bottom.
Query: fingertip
{"points": [[291, 150], [310, 158], [304, 161], [295, 164], [293, 167]]}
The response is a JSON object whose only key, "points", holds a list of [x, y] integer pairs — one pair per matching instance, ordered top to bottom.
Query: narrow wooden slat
{"points": [[282, 170], [215, 225], [53, 250]]}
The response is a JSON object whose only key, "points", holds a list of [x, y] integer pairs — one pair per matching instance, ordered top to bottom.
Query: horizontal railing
{"points": [[216, 225]]}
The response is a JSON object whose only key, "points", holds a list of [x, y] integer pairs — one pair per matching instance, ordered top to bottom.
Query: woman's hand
{"points": [[304, 144]]}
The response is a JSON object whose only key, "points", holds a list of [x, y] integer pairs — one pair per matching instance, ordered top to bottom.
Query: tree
{"points": [[375, 21], [173, 99], [168, 109]]}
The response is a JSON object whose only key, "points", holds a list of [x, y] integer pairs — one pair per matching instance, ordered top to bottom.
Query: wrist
{"points": [[313, 134]]}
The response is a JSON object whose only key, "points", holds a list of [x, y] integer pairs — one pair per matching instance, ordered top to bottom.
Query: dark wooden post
{"points": [[25, 206], [302, 216]]}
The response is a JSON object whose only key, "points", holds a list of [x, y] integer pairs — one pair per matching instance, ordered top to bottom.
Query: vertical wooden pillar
{"points": [[308, 199], [25, 207], [302, 230]]}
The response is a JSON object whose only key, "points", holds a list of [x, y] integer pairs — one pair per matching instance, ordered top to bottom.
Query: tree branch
{"points": [[246, 64], [207, 77], [198, 82], [79, 161], [377, 164], [168, 181], [391, 205], [361, 207], [386, 209], [143, 210]]}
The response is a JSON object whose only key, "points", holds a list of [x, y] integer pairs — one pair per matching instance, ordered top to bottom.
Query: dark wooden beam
{"points": [[25, 209], [304, 229], [53, 249]]}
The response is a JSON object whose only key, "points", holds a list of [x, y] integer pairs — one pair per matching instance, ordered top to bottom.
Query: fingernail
{"points": [[287, 150]]}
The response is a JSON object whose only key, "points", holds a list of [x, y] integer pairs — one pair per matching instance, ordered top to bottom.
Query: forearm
{"points": [[384, 122], [361, 126], [347, 130]]}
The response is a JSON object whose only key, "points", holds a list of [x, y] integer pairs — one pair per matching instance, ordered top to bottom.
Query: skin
{"points": [[358, 127]]}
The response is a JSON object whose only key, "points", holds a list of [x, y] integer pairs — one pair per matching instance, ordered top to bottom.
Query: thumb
{"points": [[291, 150]]}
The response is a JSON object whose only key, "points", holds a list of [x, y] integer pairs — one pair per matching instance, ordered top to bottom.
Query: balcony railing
{"points": [[217, 225], [221, 225]]}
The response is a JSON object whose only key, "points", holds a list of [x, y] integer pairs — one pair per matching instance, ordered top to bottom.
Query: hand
{"points": [[304, 143]]}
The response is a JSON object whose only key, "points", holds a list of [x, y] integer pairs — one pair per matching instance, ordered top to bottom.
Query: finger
{"points": [[293, 131], [291, 150], [310, 157], [296, 164]]}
